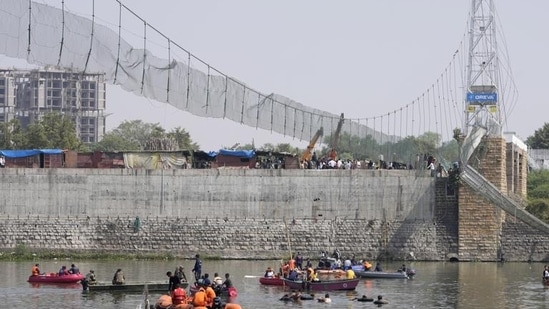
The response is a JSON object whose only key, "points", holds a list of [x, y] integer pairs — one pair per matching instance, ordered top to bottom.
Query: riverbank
{"points": [[23, 253]]}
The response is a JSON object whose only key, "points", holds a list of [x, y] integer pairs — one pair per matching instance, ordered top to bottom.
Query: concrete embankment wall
{"points": [[369, 194], [242, 214]]}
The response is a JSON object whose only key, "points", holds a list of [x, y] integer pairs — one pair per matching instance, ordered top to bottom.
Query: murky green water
{"points": [[437, 285]]}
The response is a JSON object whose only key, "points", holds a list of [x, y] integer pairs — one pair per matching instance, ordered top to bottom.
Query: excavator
{"points": [[332, 153], [307, 154]]}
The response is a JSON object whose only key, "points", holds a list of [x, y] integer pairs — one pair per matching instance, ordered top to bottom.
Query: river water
{"points": [[436, 285]]}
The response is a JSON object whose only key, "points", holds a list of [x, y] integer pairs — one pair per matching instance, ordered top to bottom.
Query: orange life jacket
{"points": [[291, 263], [35, 271], [210, 294], [200, 298], [164, 301]]}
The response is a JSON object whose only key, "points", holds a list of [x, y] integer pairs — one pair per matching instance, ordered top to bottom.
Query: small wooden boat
{"points": [[383, 274], [55, 278], [276, 281], [323, 285], [139, 287]]}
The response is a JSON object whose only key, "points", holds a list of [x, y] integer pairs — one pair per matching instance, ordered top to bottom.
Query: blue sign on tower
{"points": [[482, 97]]}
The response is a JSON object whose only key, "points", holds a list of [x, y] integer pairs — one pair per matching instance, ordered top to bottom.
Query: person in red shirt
{"points": [[179, 296]]}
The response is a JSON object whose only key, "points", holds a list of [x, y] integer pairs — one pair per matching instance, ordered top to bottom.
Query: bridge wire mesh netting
{"points": [[142, 60]]}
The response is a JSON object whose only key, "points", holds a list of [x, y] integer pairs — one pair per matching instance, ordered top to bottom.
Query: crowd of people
{"points": [[204, 292]]}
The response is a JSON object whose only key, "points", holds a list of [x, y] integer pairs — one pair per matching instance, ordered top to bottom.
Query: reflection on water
{"points": [[436, 285]]}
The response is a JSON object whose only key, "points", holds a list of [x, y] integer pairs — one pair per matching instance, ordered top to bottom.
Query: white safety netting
{"points": [[51, 36]]}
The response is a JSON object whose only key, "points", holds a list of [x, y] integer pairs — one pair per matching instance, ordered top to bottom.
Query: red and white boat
{"points": [[55, 278]]}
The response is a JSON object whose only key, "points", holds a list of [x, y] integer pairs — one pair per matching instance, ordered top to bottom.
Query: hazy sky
{"points": [[360, 57]]}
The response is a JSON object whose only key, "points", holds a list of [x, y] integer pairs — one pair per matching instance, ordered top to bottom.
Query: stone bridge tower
{"points": [[501, 162]]}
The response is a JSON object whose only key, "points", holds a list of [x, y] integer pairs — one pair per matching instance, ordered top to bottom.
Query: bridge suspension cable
{"points": [[189, 83]]}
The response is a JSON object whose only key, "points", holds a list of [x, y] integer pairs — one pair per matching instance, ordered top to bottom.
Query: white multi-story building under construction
{"points": [[29, 94]]}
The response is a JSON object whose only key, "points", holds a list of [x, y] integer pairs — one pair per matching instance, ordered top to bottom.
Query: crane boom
{"points": [[335, 138], [307, 154]]}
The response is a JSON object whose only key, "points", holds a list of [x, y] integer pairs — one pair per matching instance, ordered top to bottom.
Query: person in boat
{"points": [[336, 255], [299, 261], [291, 263], [308, 263], [347, 264], [367, 265], [378, 267], [403, 268], [74, 269], [197, 269], [35, 270], [285, 270], [63, 271], [546, 272], [180, 273], [269, 273], [310, 274], [350, 274], [293, 275], [118, 277], [90, 278], [173, 281], [207, 281], [218, 281], [227, 284], [178, 294], [210, 294], [199, 299], [325, 299], [380, 300], [164, 302]]}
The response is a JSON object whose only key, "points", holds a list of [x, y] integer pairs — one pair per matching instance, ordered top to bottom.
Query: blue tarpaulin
{"points": [[237, 153], [13, 154]]}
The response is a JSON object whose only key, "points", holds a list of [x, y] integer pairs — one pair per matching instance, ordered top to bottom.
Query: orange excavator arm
{"points": [[335, 138], [307, 154]]}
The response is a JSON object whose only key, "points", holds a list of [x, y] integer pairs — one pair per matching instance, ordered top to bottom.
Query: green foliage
{"points": [[53, 130], [12, 135], [137, 135], [183, 139], [540, 139], [113, 142], [538, 194], [539, 208], [26, 253]]}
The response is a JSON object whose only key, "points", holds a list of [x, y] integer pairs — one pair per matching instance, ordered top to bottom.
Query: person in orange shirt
{"points": [[291, 263], [35, 270], [210, 295], [199, 299]]}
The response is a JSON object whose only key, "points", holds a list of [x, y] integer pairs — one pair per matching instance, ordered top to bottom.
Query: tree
{"points": [[53, 130], [137, 132], [12, 135], [138, 135], [36, 137], [183, 139], [540, 139], [114, 142], [538, 194]]}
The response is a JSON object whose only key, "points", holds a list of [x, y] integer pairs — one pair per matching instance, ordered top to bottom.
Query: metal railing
{"points": [[482, 186]]}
